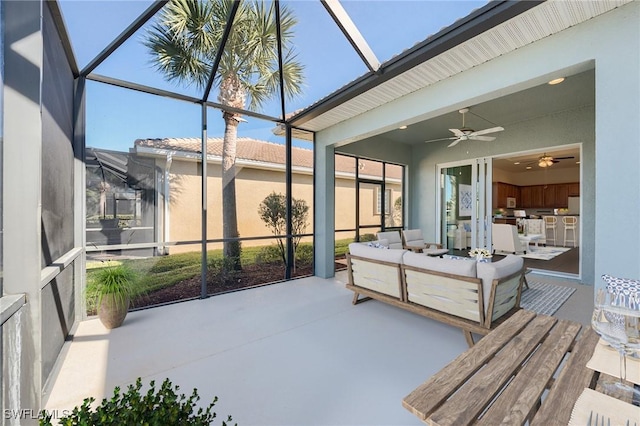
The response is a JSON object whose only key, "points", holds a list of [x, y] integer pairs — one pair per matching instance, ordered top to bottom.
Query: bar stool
{"points": [[550, 223], [569, 223]]}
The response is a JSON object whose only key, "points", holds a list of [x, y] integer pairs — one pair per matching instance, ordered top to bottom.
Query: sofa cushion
{"points": [[362, 250], [448, 266], [496, 270]]}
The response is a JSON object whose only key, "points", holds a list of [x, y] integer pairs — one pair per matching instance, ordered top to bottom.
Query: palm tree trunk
{"points": [[229, 214]]}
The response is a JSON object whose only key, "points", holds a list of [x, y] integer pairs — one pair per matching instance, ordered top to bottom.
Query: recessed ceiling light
{"points": [[556, 81], [402, 127], [517, 162], [577, 162], [528, 167]]}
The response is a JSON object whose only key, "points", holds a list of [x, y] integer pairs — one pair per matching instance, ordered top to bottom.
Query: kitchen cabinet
{"points": [[573, 189], [502, 191], [531, 196], [549, 196], [552, 196], [561, 196], [507, 220]]}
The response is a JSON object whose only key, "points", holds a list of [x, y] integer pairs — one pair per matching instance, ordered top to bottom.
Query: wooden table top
{"points": [[500, 380]]}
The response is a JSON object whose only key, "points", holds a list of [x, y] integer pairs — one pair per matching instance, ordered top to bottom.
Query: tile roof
{"points": [[250, 149]]}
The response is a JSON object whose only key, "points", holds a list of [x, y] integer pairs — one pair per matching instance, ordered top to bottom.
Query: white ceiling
{"points": [[575, 92]]}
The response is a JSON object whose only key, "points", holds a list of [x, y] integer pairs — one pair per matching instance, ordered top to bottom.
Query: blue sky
{"points": [[116, 117]]}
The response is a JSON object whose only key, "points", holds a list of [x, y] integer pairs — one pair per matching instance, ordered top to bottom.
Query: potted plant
{"points": [[111, 289]]}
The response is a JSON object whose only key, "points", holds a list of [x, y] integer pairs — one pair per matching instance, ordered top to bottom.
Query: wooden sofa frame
{"points": [[452, 299]]}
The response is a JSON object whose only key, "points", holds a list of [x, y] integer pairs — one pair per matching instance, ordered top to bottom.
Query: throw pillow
{"points": [[376, 244]]}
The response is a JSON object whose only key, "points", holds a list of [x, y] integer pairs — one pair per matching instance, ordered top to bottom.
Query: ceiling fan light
{"points": [[545, 161]]}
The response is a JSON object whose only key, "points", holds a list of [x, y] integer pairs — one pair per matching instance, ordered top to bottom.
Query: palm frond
{"points": [[184, 40]]}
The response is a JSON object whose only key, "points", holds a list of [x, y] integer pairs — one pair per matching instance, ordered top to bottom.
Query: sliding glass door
{"points": [[465, 204]]}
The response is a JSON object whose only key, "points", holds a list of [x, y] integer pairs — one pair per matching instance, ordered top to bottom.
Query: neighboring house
{"points": [[176, 189]]}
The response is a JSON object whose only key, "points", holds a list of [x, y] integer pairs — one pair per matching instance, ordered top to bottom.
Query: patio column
{"points": [[22, 218], [617, 229], [324, 230]]}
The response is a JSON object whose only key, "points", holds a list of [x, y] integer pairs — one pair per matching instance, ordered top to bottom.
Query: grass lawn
{"points": [[159, 272]]}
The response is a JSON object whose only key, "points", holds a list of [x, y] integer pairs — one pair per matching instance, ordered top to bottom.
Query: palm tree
{"points": [[183, 45]]}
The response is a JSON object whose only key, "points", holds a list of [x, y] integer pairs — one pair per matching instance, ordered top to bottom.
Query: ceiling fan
{"points": [[465, 133], [548, 161]]}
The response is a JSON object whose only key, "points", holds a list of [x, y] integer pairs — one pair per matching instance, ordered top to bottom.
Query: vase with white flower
{"points": [[480, 254]]}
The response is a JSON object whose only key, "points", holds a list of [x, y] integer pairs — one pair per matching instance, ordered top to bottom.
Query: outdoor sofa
{"points": [[471, 295]]}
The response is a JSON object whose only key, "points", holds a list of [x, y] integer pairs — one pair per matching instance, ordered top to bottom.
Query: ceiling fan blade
{"points": [[485, 131], [457, 132], [481, 138], [441, 139], [454, 143], [563, 158]]}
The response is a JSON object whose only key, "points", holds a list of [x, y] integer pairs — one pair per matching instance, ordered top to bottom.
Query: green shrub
{"points": [[368, 237], [269, 254], [304, 254], [154, 408]]}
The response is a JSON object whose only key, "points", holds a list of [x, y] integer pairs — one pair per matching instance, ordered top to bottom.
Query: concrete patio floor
{"points": [[294, 353]]}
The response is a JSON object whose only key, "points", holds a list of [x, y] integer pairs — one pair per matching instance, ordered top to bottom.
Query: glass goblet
{"points": [[619, 327]]}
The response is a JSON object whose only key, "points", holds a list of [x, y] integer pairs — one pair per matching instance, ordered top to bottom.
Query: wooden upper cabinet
{"points": [[573, 189], [502, 191], [531, 196], [549, 196], [552, 196], [561, 196], [525, 197]]}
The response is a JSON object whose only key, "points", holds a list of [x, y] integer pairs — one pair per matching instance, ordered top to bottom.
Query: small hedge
{"points": [[163, 407]]}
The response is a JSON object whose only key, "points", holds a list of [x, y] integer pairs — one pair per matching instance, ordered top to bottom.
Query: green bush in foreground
{"points": [[155, 408]]}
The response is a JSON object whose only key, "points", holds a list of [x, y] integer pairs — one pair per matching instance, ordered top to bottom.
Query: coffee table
{"points": [[530, 238], [501, 379]]}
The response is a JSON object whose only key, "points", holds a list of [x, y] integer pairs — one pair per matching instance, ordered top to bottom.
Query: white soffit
{"points": [[544, 20]]}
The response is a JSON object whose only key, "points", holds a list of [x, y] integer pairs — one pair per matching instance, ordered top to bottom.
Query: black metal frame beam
{"points": [[56, 13], [483, 19], [351, 32], [124, 36], [219, 53], [178, 96]]}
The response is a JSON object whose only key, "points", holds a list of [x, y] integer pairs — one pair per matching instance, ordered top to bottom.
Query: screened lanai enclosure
{"points": [[213, 93]]}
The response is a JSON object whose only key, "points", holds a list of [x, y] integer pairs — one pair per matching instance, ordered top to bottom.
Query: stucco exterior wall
{"points": [[252, 186]]}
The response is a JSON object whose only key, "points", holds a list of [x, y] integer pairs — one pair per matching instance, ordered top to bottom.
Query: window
{"points": [[387, 204]]}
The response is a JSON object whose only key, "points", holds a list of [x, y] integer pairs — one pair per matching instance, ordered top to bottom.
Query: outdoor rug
{"points": [[545, 253], [544, 298]]}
